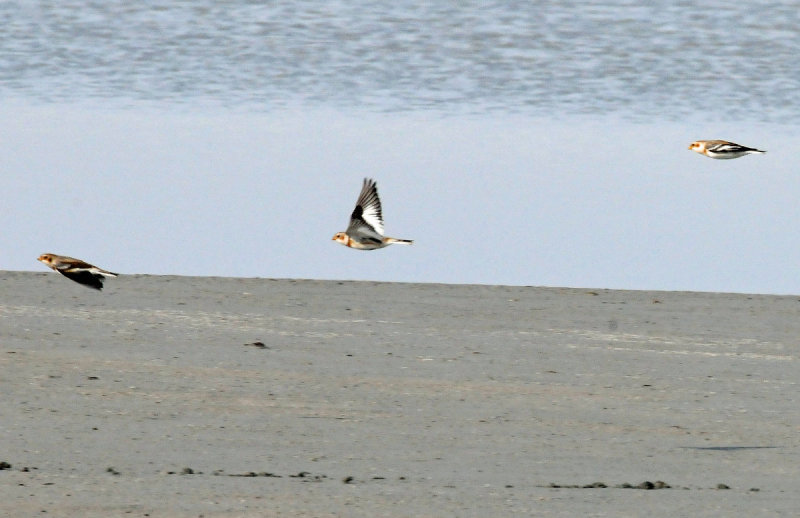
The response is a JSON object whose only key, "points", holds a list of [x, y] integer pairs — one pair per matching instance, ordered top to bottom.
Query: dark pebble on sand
{"points": [[4, 465], [250, 474], [595, 484], [658, 484], [723, 486]]}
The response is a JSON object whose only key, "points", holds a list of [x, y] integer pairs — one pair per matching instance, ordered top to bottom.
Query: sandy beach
{"points": [[172, 396]]}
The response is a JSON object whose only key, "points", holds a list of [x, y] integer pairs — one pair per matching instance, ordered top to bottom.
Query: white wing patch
{"points": [[727, 148], [368, 212], [372, 215], [94, 270]]}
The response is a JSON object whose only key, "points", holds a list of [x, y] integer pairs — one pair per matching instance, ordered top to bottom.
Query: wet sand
{"points": [[189, 396]]}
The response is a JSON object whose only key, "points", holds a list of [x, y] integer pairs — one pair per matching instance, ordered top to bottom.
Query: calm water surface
{"points": [[640, 60], [211, 137]]}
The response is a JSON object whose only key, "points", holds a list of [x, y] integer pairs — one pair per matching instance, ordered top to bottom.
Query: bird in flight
{"points": [[721, 149], [365, 231], [77, 270]]}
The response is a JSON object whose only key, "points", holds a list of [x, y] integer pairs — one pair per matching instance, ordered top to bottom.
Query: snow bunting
{"points": [[721, 149], [365, 231], [77, 270]]}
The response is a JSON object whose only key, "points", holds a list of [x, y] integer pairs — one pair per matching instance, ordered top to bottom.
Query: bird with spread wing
{"points": [[722, 149], [365, 231], [77, 270]]}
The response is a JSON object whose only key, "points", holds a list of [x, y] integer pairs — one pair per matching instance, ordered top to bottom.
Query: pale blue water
{"points": [[667, 60], [515, 142]]}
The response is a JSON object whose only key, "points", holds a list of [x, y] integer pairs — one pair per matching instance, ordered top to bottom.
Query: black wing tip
{"points": [[370, 185], [369, 191], [368, 197], [87, 279], [96, 284], [93, 285]]}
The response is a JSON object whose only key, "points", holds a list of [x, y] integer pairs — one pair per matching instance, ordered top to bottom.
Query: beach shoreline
{"points": [[208, 396]]}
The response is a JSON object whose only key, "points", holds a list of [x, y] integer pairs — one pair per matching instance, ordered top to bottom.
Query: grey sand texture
{"points": [[203, 396]]}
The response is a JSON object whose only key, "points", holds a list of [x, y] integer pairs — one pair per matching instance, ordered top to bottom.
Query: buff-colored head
{"points": [[697, 147], [340, 237], [46, 259]]}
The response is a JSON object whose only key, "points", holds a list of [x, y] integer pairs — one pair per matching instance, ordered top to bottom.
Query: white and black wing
{"points": [[724, 147], [367, 218], [84, 273], [85, 277]]}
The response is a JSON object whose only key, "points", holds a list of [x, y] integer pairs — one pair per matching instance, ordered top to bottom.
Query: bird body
{"points": [[722, 149], [365, 231], [368, 243], [77, 270]]}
